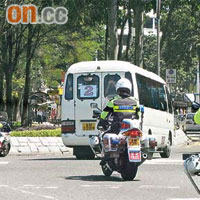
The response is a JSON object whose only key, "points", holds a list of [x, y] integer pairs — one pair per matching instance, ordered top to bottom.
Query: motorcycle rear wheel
{"points": [[129, 171]]}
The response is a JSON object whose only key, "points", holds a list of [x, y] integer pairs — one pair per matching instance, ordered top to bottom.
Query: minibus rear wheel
{"points": [[167, 150], [83, 153], [85, 157]]}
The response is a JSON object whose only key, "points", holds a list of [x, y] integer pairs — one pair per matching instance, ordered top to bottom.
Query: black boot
{"points": [[103, 161]]}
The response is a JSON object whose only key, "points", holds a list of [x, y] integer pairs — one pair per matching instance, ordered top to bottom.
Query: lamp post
{"points": [[158, 5], [198, 68]]}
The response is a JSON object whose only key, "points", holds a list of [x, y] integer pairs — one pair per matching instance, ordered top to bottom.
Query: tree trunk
{"points": [[139, 26], [112, 28], [130, 31], [121, 38], [106, 43], [8, 68], [1, 89], [9, 95], [16, 108], [25, 120]]}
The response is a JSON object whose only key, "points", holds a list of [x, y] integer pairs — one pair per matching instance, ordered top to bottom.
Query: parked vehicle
{"points": [[90, 82], [179, 121], [190, 126], [4, 135], [125, 151]]}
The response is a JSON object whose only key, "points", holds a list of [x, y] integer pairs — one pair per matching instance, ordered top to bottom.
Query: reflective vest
{"points": [[120, 108], [197, 117]]}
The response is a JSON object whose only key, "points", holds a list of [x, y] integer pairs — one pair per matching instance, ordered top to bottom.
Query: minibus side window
{"points": [[129, 77], [109, 85], [69, 87], [88, 87], [151, 93]]}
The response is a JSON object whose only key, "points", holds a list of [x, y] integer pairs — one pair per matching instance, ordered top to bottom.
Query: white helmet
{"points": [[123, 83]]}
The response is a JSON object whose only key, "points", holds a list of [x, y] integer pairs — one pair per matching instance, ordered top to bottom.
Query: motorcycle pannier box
{"points": [[111, 142]]}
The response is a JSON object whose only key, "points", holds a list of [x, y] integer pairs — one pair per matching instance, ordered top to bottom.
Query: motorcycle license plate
{"points": [[133, 142], [134, 152], [134, 155]]}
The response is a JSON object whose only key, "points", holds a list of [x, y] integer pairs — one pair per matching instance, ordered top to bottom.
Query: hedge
{"points": [[37, 133]]}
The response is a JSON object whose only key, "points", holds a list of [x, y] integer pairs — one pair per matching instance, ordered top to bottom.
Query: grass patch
{"points": [[16, 125], [37, 133]]}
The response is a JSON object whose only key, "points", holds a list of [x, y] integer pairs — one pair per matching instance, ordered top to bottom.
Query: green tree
{"points": [[180, 40]]}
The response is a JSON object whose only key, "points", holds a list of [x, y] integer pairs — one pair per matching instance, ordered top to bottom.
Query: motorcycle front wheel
{"points": [[5, 150], [106, 171], [129, 171]]}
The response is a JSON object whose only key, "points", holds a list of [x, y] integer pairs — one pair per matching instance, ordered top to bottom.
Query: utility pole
{"points": [[158, 6], [198, 68], [197, 82]]}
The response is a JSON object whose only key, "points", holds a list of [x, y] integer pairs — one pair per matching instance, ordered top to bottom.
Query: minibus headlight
{"points": [[68, 126]]}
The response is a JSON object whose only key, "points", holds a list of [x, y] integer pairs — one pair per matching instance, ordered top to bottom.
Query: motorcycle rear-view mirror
{"points": [[94, 105], [195, 106], [141, 108], [96, 113]]}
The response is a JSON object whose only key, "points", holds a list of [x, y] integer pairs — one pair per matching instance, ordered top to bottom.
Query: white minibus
{"points": [[93, 82]]}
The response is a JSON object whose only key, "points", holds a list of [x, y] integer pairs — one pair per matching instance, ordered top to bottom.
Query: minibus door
{"points": [[88, 90]]}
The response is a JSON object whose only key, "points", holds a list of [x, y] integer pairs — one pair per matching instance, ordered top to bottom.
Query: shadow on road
{"points": [[50, 159], [57, 159], [96, 178]]}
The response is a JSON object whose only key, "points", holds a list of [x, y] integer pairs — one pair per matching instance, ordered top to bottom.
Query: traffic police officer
{"points": [[120, 107]]}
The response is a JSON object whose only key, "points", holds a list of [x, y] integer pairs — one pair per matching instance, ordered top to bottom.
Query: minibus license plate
{"points": [[88, 126], [133, 142]]}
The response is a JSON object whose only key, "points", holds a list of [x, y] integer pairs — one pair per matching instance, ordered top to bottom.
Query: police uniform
{"points": [[120, 108]]}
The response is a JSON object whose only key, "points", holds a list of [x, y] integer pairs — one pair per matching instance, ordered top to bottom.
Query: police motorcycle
{"points": [[5, 129], [123, 152], [192, 160], [192, 168]]}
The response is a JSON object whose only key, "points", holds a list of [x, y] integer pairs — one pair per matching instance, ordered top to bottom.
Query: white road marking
{"points": [[163, 161], [3, 163], [3, 186], [29, 186], [107, 186], [39, 187], [51, 187], [114, 187], [158, 187], [27, 192], [30, 193], [47, 197], [184, 199]]}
